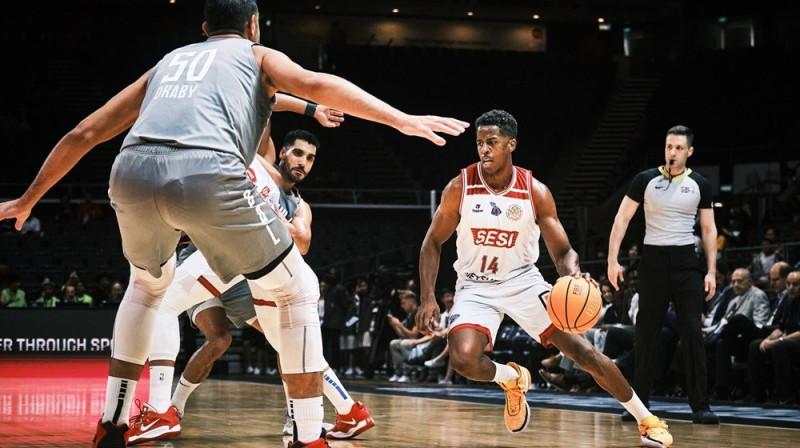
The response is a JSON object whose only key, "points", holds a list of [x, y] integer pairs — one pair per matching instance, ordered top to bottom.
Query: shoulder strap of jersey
{"points": [[529, 179]]}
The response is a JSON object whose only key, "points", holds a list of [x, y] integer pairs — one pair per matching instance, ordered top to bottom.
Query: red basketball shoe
{"points": [[354, 423], [151, 425], [109, 435], [319, 443]]}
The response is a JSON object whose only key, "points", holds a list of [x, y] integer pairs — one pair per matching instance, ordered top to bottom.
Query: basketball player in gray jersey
{"points": [[196, 119], [670, 270], [210, 304]]}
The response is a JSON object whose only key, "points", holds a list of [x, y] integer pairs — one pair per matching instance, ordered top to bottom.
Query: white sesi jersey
{"points": [[264, 183], [287, 202], [498, 237]]}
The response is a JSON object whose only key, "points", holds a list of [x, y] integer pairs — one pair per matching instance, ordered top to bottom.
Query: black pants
{"points": [[671, 273], [734, 341], [777, 364]]}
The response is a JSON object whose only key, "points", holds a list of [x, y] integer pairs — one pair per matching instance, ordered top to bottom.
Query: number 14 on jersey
{"points": [[492, 265]]}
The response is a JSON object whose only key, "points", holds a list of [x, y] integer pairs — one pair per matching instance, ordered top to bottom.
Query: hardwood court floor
{"points": [[61, 409]]}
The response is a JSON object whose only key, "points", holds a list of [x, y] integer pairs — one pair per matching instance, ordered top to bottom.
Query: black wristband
{"points": [[310, 109]]}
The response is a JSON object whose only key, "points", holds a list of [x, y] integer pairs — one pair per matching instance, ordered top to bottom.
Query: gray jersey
{"points": [[207, 95], [288, 203], [238, 301]]}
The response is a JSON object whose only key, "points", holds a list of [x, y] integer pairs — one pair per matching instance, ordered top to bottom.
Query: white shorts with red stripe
{"points": [[482, 307]]}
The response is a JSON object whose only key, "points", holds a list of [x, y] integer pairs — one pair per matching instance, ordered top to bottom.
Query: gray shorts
{"points": [[157, 191], [237, 302]]}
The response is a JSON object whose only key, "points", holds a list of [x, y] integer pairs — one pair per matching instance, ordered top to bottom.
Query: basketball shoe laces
{"points": [[515, 391], [137, 418], [656, 428]]}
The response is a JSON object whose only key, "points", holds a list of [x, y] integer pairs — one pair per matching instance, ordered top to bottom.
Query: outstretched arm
{"points": [[282, 74], [117, 115], [330, 118], [444, 223]]}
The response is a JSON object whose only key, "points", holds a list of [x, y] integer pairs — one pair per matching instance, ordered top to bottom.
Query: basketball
{"points": [[574, 304]]}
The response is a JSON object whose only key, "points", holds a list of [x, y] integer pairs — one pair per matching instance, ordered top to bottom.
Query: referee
{"points": [[670, 268]]}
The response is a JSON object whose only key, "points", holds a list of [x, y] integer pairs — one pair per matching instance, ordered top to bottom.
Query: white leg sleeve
{"points": [[194, 283], [294, 288], [270, 325], [133, 326], [166, 338]]}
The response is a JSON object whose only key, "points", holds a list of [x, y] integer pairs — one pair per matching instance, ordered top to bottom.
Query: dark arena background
{"points": [[594, 85]]}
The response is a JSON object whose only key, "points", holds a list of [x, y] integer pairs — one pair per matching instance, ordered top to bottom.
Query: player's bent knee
{"points": [[144, 287], [219, 343], [463, 359]]}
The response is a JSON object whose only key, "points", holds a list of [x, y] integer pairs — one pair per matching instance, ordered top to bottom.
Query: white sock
{"points": [[504, 373], [160, 387], [182, 392], [335, 392], [119, 394], [288, 400], [636, 408], [307, 415]]}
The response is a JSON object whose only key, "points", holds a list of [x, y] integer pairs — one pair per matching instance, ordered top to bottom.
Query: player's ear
{"points": [[252, 25], [205, 28], [512, 145], [282, 153]]}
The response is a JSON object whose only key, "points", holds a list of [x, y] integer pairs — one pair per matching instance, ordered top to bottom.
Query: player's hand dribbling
{"points": [[426, 126], [585, 275], [427, 316]]}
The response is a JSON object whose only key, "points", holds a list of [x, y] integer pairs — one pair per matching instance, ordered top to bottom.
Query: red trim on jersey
{"points": [[471, 175], [473, 178], [464, 184], [530, 189], [504, 191], [509, 194], [209, 287], [261, 302], [479, 328], [545, 335]]}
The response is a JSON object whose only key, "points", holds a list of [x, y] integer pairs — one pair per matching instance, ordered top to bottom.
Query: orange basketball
{"points": [[574, 304]]}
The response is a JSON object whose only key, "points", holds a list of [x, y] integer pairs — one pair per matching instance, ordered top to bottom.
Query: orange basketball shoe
{"points": [[517, 413], [354, 423], [151, 425], [655, 433]]}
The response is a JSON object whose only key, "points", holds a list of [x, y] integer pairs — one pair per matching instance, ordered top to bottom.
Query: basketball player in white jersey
{"points": [[195, 120], [499, 211], [160, 418]]}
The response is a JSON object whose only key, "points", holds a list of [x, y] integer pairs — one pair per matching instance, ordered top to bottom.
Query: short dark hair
{"points": [[228, 16], [500, 118], [682, 130], [300, 134]]}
